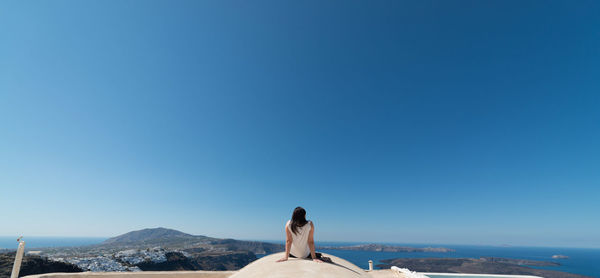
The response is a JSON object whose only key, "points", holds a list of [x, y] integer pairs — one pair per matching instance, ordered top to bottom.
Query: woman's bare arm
{"points": [[311, 243], [288, 244]]}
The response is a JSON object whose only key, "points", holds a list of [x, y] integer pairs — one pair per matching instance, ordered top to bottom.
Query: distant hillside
{"points": [[155, 235], [169, 238], [255, 246], [162, 249], [178, 261], [33, 265]]}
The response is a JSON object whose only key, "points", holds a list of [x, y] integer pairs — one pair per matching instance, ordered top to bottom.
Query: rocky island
{"points": [[386, 248], [485, 265]]}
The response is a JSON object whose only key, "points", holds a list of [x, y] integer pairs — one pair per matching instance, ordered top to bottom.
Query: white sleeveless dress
{"points": [[299, 247]]}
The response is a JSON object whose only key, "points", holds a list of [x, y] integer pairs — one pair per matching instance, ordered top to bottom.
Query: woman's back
{"points": [[300, 246]]}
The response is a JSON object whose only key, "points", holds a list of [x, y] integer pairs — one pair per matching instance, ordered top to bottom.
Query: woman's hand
{"points": [[282, 259], [317, 260]]}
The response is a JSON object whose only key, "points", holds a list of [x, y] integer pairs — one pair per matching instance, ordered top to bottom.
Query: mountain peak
{"points": [[148, 235]]}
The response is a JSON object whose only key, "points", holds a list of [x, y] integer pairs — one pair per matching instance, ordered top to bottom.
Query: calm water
{"points": [[37, 242], [580, 261]]}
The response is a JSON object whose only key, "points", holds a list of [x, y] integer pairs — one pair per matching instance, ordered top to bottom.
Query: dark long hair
{"points": [[298, 219]]}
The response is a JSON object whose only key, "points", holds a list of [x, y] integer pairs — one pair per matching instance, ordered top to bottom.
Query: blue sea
{"points": [[38, 242], [581, 261]]}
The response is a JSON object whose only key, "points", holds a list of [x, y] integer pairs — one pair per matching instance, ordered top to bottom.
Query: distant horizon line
{"points": [[335, 241]]}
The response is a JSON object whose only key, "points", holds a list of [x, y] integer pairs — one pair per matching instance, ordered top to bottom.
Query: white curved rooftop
{"points": [[267, 267]]}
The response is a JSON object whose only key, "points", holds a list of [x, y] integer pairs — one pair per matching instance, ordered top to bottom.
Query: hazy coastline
{"points": [[580, 260]]}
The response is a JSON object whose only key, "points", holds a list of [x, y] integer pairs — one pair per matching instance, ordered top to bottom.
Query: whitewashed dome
{"points": [[268, 267]]}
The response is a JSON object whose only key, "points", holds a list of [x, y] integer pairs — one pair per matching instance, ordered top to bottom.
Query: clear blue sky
{"points": [[472, 122]]}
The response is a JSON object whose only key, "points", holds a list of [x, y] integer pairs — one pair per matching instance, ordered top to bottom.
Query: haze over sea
{"points": [[41, 241], [581, 260]]}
